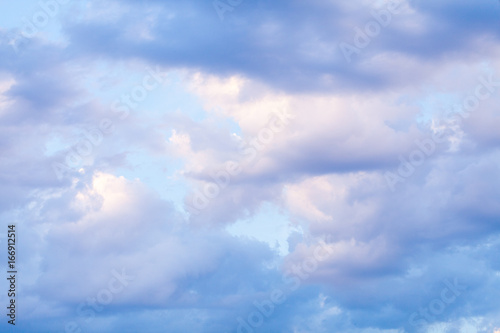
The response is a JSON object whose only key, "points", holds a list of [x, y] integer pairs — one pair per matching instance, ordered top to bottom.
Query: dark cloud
{"points": [[290, 44]]}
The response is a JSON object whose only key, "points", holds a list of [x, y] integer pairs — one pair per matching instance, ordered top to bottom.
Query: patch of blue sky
{"points": [[13, 11], [114, 80], [436, 105], [55, 144], [158, 173], [270, 224]]}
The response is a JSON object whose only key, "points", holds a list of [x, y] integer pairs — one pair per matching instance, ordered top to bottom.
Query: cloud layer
{"points": [[176, 166]]}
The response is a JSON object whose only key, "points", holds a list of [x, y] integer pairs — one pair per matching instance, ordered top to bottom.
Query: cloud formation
{"points": [[371, 126]]}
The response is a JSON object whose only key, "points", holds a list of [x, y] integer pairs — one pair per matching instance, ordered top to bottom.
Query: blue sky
{"points": [[251, 166]]}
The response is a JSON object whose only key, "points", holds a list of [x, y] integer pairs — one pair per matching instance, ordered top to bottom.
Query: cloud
{"points": [[308, 34]]}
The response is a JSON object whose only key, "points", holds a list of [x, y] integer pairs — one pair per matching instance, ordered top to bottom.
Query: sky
{"points": [[241, 166]]}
